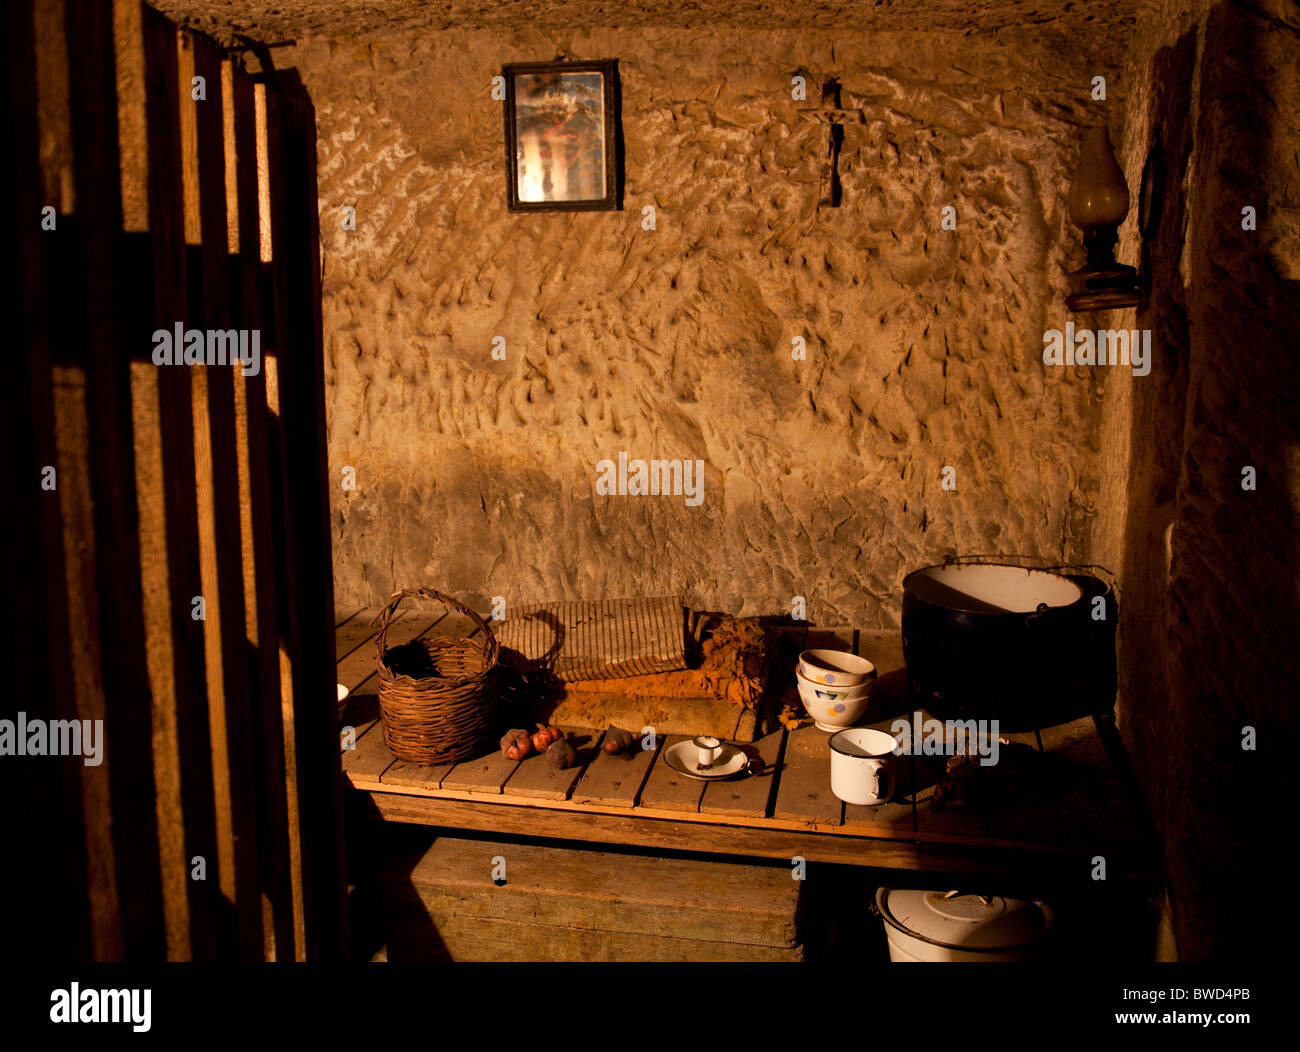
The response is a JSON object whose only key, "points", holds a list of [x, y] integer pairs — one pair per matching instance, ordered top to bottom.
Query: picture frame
{"points": [[563, 139]]}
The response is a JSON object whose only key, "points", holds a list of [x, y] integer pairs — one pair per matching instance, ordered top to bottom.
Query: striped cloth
{"points": [[604, 639]]}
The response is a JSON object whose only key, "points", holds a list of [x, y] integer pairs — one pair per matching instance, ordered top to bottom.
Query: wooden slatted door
{"points": [[167, 550]]}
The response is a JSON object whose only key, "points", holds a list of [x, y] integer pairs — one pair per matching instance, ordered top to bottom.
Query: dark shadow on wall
{"points": [[1209, 645]]}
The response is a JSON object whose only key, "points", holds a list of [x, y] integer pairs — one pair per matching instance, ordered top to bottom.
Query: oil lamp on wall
{"points": [[1099, 202]]}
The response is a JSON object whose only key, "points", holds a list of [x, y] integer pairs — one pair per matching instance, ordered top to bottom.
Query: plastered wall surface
{"points": [[823, 477]]}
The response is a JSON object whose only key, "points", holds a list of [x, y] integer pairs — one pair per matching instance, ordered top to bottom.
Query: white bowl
{"points": [[835, 668], [825, 693], [832, 715]]}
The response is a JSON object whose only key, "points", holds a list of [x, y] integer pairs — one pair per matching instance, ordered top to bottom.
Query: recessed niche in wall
{"points": [[562, 136]]}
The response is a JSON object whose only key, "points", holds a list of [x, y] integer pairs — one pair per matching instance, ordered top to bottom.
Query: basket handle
{"points": [[491, 648]]}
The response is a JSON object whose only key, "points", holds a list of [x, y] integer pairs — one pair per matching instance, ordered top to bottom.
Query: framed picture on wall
{"points": [[562, 136]]}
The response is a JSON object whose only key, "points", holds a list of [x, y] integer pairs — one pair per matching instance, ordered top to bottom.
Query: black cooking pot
{"points": [[1028, 648]]}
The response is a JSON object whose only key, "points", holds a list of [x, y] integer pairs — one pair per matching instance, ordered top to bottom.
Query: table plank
{"points": [[357, 630], [361, 710], [370, 758], [485, 774], [416, 776], [538, 777], [616, 780], [668, 790], [803, 791], [752, 794], [1096, 812], [1035, 818], [948, 822], [693, 833]]}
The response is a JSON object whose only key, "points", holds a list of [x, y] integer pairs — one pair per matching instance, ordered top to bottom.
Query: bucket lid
{"points": [[965, 921]]}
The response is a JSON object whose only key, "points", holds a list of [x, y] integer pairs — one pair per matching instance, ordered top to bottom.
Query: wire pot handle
{"points": [[490, 648]]}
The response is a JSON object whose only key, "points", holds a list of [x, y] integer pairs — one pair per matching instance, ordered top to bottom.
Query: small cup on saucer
{"points": [[708, 748]]}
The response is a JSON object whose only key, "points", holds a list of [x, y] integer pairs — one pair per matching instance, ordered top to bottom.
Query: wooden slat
{"points": [[116, 317], [255, 452], [217, 489], [169, 536], [33, 548], [308, 623], [453, 625], [358, 630], [361, 711], [370, 759], [401, 773], [486, 774], [538, 778], [615, 780], [667, 790], [803, 791], [85, 793], [752, 794], [1097, 812], [1028, 816], [948, 823], [678, 833], [683, 899], [464, 938]]}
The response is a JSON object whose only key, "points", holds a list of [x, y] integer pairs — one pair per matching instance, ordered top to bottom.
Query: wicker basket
{"points": [[437, 695]]}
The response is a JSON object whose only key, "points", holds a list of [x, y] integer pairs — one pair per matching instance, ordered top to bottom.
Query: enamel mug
{"points": [[708, 749], [862, 765]]}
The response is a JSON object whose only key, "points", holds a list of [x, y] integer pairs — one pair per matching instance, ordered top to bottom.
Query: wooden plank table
{"points": [[637, 799]]}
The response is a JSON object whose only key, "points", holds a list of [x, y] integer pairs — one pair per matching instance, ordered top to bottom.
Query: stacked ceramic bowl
{"points": [[835, 687]]}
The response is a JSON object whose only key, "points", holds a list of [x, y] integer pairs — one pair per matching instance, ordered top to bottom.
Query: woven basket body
{"points": [[437, 695]]}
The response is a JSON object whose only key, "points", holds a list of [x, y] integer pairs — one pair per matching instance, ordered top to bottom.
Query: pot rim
{"points": [[1084, 597], [859, 756], [893, 922]]}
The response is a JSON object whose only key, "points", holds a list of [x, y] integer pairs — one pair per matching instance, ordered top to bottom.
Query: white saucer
{"points": [[683, 758]]}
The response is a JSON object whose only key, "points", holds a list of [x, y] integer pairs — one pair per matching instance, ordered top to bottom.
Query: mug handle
{"points": [[884, 790]]}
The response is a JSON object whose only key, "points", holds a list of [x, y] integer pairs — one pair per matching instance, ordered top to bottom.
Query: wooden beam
{"points": [[115, 325], [256, 451], [217, 489], [171, 575], [308, 630], [695, 836], [51, 884]]}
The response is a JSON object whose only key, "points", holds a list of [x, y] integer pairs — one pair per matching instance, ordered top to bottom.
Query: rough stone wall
{"points": [[273, 20], [823, 477], [1211, 596]]}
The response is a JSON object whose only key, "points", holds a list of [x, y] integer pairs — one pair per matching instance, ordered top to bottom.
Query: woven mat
{"points": [[604, 639]]}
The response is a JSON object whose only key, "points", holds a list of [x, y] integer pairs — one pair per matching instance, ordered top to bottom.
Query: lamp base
{"points": [[1104, 286]]}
